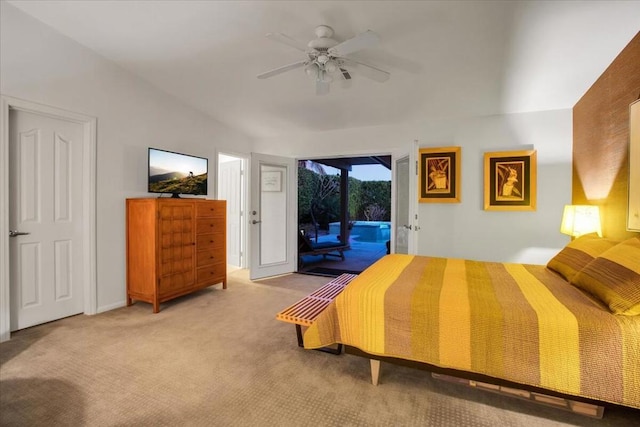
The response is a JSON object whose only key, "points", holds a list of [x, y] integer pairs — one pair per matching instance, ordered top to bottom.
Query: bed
{"points": [[571, 327]]}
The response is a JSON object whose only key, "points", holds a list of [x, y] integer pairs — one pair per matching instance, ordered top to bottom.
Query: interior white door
{"points": [[230, 189], [45, 218], [404, 218], [272, 221]]}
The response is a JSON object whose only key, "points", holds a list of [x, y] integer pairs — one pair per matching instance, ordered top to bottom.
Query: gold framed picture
{"points": [[439, 175], [510, 180]]}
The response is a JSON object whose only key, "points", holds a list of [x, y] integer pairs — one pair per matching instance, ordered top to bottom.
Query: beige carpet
{"points": [[219, 358]]}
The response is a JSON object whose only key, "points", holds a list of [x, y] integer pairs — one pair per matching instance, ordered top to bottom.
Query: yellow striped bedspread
{"points": [[518, 322]]}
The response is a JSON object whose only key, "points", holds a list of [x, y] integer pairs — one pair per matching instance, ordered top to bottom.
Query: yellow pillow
{"points": [[578, 253], [614, 277]]}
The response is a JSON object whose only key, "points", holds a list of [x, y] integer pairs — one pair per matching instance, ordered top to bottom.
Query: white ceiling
{"points": [[446, 58]]}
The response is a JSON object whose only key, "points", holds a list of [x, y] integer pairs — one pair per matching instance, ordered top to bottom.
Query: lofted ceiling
{"points": [[446, 58]]}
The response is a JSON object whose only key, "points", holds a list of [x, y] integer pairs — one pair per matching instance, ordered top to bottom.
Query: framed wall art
{"points": [[439, 175], [510, 180]]}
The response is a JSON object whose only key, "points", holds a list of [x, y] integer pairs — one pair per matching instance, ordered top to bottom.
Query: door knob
{"points": [[255, 222], [408, 227], [14, 233]]}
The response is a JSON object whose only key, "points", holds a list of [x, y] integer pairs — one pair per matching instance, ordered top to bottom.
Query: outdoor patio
{"points": [[360, 256]]}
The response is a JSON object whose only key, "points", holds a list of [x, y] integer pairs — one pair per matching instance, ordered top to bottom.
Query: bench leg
{"points": [[299, 335], [336, 351]]}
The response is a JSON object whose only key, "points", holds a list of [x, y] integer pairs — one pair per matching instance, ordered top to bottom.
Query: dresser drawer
{"points": [[211, 209], [210, 225], [210, 241], [207, 257], [214, 273], [175, 282]]}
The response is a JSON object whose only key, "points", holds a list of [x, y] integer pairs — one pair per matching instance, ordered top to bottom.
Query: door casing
{"points": [[244, 202], [88, 207]]}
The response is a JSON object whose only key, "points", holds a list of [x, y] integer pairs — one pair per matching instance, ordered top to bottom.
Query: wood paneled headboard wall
{"points": [[601, 141]]}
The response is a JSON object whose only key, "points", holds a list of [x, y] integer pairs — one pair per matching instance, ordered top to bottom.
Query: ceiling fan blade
{"points": [[285, 39], [361, 41], [282, 69], [368, 71], [345, 74], [345, 79], [322, 87]]}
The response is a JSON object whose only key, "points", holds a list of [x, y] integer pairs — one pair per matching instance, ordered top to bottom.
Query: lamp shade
{"points": [[581, 219]]}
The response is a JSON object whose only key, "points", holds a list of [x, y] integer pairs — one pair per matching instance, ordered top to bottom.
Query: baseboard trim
{"points": [[103, 308]]}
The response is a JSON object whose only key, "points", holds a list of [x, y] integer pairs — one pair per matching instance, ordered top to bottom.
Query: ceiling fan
{"points": [[327, 57]]}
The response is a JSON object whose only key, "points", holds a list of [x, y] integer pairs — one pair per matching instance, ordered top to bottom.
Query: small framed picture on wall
{"points": [[439, 175], [510, 180]]}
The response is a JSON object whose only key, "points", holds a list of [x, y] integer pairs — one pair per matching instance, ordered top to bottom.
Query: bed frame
{"points": [[579, 405]]}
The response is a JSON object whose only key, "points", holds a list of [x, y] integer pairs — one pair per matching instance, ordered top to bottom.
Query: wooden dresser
{"points": [[174, 247]]}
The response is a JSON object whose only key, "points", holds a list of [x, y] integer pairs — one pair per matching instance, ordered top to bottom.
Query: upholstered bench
{"points": [[305, 311]]}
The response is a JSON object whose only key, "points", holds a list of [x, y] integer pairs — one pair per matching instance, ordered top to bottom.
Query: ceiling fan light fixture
{"points": [[327, 57], [331, 66], [312, 70], [324, 77]]}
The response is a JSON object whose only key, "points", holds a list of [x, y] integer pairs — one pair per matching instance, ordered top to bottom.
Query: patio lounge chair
{"points": [[307, 247]]}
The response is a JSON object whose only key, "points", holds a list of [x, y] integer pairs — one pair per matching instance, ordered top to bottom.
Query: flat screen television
{"points": [[176, 173]]}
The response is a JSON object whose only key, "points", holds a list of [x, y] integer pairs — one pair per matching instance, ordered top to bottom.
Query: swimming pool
{"points": [[366, 231]]}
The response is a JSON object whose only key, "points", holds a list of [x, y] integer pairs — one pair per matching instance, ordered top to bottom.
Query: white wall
{"points": [[40, 65], [465, 230]]}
